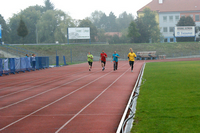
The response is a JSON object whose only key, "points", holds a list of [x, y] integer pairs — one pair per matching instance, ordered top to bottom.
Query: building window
{"points": [[182, 15], [191, 16], [197, 17], [164, 18], [171, 18], [177, 18], [164, 29], [171, 29], [171, 39], [165, 40]]}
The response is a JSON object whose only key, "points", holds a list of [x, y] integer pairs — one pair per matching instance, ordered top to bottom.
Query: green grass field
{"points": [[169, 100]]}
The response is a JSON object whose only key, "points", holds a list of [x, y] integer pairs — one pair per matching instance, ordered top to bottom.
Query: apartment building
{"points": [[168, 13]]}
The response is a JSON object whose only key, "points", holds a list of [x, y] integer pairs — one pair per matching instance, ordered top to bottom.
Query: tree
{"points": [[48, 5], [30, 15], [95, 18], [149, 19], [124, 20], [185, 21], [103, 22], [112, 24], [53, 26], [22, 29], [142, 29], [93, 30], [133, 31], [5, 32], [101, 37]]}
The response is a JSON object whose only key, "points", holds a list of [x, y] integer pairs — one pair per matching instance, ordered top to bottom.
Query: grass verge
{"points": [[169, 100]]}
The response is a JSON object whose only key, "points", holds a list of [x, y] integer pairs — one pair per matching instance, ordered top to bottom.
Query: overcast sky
{"points": [[77, 9]]}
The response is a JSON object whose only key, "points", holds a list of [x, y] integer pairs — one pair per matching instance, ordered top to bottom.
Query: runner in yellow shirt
{"points": [[131, 57], [90, 60]]}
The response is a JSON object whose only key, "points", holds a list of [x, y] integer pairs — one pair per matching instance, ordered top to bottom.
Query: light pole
{"points": [[36, 34]]}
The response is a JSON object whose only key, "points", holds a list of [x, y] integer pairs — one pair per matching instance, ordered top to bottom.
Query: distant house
{"points": [[168, 13], [119, 34]]}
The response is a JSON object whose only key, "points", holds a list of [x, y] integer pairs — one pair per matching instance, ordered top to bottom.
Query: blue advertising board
{"points": [[0, 31]]}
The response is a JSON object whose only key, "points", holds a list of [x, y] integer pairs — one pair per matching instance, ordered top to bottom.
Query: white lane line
{"points": [[57, 76], [50, 81], [25, 82], [44, 91], [52, 102], [90, 102]]}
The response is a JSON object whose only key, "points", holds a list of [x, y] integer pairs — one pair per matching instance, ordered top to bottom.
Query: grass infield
{"points": [[169, 100]]}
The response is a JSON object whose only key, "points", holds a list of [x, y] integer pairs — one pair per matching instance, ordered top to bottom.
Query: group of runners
{"points": [[131, 56]]}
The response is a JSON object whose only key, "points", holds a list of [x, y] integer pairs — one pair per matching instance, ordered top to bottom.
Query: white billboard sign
{"points": [[184, 31], [79, 33]]}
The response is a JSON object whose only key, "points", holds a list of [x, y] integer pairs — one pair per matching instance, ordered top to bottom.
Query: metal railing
{"points": [[129, 110]]}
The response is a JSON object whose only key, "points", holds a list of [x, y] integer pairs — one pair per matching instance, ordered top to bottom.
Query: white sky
{"points": [[77, 9]]}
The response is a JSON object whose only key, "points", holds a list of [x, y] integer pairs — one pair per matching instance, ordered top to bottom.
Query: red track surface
{"points": [[67, 99]]}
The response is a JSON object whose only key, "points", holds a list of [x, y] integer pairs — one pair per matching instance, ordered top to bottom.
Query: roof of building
{"points": [[173, 5], [113, 33]]}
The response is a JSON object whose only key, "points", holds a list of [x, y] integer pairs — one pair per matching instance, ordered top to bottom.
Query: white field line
{"points": [[60, 77], [35, 86], [52, 102], [90, 102]]}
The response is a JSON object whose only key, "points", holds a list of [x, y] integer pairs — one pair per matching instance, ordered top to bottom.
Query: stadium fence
{"points": [[22, 64]]}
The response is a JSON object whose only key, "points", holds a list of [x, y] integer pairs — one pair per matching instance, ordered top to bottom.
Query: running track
{"points": [[67, 99]]}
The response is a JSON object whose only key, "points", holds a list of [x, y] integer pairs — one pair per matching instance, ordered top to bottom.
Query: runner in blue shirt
{"points": [[115, 57]]}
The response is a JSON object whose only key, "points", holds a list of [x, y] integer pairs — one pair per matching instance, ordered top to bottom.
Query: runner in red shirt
{"points": [[103, 57]]}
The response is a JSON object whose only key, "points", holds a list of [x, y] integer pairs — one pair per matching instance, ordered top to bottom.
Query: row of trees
{"points": [[45, 24]]}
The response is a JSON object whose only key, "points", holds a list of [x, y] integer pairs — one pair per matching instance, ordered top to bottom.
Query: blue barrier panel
{"points": [[64, 60], [57, 61], [40, 62], [45, 62], [28, 63], [37, 63], [23, 64], [12, 65], [17, 65], [5, 66], [1, 67]]}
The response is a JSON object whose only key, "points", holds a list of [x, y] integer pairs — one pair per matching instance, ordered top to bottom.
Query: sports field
{"points": [[169, 100]]}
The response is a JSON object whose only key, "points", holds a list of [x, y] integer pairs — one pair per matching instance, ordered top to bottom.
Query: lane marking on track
{"points": [[60, 77], [50, 81], [35, 86], [45, 91], [53, 102], [91, 102]]}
